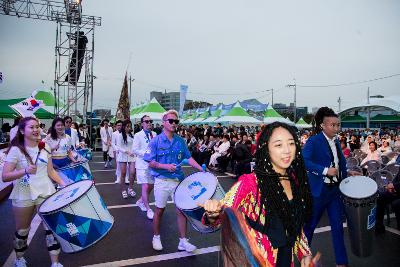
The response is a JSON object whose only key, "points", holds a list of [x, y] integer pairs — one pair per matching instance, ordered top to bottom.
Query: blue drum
{"points": [[85, 153], [75, 172], [195, 189], [77, 216]]}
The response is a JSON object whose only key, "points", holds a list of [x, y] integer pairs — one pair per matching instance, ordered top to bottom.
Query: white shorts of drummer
{"points": [[144, 177], [164, 188], [27, 203]]}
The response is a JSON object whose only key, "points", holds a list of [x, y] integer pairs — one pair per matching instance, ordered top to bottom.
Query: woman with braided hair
{"points": [[275, 199]]}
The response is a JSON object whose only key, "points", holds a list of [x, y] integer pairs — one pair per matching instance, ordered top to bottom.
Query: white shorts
{"points": [[143, 176], [163, 188], [28, 202]]}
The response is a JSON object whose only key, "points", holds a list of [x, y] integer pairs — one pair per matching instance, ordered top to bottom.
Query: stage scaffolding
{"points": [[73, 28]]}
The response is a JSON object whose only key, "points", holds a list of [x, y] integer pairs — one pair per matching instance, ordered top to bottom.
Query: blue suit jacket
{"points": [[317, 157]]}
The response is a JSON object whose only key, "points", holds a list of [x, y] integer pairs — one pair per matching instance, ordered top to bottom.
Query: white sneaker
{"points": [[106, 165], [117, 181], [131, 192], [141, 205], [150, 214], [157, 243], [185, 245], [20, 262], [56, 264]]}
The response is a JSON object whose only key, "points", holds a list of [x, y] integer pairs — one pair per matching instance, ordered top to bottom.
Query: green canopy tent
{"points": [[153, 109], [8, 113], [237, 115], [271, 115], [214, 116], [202, 117], [302, 124]]}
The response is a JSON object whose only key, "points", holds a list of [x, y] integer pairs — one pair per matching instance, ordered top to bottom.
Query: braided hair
{"points": [[319, 118], [270, 193]]}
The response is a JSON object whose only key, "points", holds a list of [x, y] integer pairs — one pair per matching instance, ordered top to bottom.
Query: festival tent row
{"points": [[271, 115]]}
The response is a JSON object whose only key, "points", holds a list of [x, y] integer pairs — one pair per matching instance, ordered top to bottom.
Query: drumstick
{"points": [[41, 145], [183, 162]]}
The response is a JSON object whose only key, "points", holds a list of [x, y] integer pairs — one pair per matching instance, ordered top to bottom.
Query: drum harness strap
{"points": [[332, 182], [21, 241], [52, 244]]}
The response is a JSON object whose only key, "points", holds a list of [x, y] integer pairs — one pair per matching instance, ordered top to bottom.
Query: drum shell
{"points": [[75, 172], [195, 215], [360, 215], [81, 223]]}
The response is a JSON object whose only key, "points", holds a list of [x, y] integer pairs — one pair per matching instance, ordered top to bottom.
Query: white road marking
{"points": [[157, 258]]}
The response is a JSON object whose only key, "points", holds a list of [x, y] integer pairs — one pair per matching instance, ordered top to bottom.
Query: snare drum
{"points": [[75, 172], [196, 189], [359, 197], [77, 216]]}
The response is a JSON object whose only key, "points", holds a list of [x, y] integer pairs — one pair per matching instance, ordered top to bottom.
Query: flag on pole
{"points": [[182, 98], [123, 104], [27, 107]]}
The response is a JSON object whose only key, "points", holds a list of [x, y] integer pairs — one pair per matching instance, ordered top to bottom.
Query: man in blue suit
{"points": [[326, 167]]}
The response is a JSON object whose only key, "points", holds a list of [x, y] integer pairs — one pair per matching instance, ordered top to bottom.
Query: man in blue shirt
{"points": [[165, 153]]}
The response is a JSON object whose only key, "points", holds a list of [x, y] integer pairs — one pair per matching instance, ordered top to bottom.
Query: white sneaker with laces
{"points": [[131, 192], [141, 205], [150, 214], [157, 243], [185, 245], [20, 262], [56, 264]]}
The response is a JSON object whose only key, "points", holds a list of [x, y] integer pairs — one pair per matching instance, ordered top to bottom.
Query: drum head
{"points": [[358, 187], [195, 189], [65, 196]]}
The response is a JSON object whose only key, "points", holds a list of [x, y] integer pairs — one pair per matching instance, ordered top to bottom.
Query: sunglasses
{"points": [[148, 121], [171, 121]]}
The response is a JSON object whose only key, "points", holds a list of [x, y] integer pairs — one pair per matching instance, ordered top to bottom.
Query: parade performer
{"points": [[118, 125], [73, 133], [105, 134], [141, 141], [60, 144], [165, 154], [125, 157], [326, 167], [30, 168], [275, 200]]}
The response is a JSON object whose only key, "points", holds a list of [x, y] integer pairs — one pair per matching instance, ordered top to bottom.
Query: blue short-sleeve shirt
{"points": [[163, 151]]}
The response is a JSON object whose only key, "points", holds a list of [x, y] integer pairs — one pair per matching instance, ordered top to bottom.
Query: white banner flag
{"points": [[182, 98], [27, 107]]}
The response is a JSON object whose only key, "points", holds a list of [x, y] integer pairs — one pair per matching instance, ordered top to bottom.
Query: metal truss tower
{"points": [[74, 51]]}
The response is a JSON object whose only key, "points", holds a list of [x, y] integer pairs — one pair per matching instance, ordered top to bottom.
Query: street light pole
{"points": [[295, 105]]}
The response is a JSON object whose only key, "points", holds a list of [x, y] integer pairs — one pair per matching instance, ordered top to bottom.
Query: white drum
{"points": [[196, 189], [359, 197], [77, 216]]}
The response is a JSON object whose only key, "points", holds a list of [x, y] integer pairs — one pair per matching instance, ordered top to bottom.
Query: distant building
{"points": [[167, 100], [284, 109]]}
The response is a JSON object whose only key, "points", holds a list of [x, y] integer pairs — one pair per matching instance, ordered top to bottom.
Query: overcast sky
{"points": [[231, 47]]}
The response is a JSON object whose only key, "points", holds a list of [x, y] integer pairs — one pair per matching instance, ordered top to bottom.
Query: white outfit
{"points": [[13, 132], [74, 137], [105, 139], [140, 143], [64, 145], [123, 149], [385, 150], [220, 151], [376, 155], [37, 185]]}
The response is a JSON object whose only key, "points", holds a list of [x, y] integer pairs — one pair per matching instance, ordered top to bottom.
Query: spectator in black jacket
{"points": [[243, 157], [391, 195]]}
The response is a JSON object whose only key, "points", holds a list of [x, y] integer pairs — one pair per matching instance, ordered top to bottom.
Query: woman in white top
{"points": [[60, 144], [385, 148], [222, 150], [373, 153], [125, 157], [31, 171]]}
